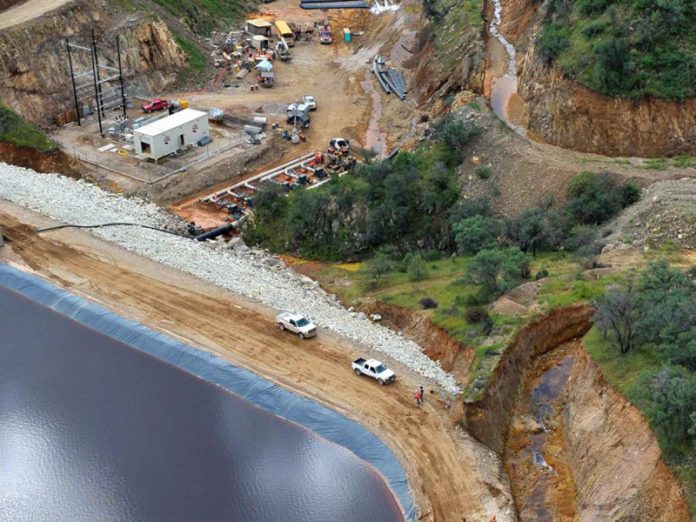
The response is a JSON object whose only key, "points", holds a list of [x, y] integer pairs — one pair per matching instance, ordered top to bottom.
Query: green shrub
{"points": [[630, 49], [14, 130], [483, 171], [475, 233], [417, 270]]}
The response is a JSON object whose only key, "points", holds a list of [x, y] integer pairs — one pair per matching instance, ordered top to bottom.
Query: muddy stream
{"points": [[505, 87], [542, 481]]}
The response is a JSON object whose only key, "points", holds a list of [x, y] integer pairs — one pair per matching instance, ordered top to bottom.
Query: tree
{"points": [[454, 134], [594, 198], [475, 233], [377, 267], [417, 269], [498, 271], [667, 303], [617, 317], [673, 404]]}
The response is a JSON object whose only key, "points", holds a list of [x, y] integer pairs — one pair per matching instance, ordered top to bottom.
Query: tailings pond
{"points": [[92, 429]]}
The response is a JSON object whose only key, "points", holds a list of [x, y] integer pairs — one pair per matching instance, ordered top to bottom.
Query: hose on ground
{"points": [[102, 225]]}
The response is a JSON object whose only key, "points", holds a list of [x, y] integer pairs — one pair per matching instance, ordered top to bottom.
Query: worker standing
{"points": [[422, 393], [419, 397]]}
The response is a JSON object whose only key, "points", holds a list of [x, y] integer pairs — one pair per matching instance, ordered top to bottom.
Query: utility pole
{"points": [[74, 89]]}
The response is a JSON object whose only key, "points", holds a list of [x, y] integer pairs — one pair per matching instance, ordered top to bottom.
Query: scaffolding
{"points": [[103, 81]]}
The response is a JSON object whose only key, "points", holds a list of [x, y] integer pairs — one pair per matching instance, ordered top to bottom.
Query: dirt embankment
{"points": [[34, 71], [562, 112], [29, 158], [454, 356], [488, 419], [614, 456]]}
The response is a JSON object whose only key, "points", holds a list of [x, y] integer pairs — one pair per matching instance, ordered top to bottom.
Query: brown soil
{"points": [[29, 158], [454, 356], [448, 471]]}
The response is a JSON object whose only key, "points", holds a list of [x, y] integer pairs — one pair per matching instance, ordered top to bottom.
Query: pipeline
{"points": [[102, 225], [212, 234]]}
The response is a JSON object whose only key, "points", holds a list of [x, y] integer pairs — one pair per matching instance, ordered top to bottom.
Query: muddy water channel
{"points": [[504, 87], [92, 429], [534, 454]]}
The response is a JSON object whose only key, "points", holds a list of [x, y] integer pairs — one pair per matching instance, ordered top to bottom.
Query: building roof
{"points": [[259, 22], [170, 122]]}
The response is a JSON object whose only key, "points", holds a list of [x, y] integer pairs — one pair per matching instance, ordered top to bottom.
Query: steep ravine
{"points": [[573, 447]]}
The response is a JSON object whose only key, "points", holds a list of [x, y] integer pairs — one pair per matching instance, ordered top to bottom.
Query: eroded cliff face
{"points": [[34, 71], [564, 113], [614, 456]]}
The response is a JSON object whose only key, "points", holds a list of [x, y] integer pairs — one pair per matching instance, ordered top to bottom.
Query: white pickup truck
{"points": [[296, 323], [375, 369]]}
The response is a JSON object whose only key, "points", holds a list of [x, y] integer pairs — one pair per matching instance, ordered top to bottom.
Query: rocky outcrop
{"points": [[450, 56], [34, 71], [613, 454]]}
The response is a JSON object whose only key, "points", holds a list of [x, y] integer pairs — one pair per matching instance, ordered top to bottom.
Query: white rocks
{"points": [[241, 270]]}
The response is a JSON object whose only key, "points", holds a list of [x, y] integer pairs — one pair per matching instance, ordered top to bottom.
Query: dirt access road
{"points": [[28, 11], [444, 464]]}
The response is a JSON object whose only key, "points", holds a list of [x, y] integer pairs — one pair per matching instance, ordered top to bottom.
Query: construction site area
{"points": [[284, 87], [173, 353]]}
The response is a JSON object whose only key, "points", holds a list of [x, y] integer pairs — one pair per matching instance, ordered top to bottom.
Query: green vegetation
{"points": [[202, 16], [454, 25], [629, 49], [195, 57], [14, 130], [404, 203], [645, 344]]}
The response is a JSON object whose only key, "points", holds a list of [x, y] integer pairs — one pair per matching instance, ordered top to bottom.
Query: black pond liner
{"points": [[257, 390]]}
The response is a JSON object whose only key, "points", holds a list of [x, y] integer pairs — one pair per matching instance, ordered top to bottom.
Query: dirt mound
{"points": [[665, 212]]}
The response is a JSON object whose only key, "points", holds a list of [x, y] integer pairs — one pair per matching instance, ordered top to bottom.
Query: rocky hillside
{"points": [[451, 54], [33, 61]]}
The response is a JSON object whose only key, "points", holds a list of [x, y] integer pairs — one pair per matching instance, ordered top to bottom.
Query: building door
{"points": [[181, 141]]}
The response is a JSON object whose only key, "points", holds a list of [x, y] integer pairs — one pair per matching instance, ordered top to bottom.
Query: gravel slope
{"points": [[250, 273]]}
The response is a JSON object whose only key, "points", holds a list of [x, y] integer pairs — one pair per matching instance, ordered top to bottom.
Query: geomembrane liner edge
{"points": [[252, 387]]}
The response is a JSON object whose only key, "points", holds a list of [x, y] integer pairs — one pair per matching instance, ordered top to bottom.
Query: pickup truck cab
{"points": [[310, 102], [155, 105], [297, 323], [375, 369]]}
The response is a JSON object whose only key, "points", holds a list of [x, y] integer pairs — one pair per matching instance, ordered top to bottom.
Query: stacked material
{"points": [[334, 4], [392, 80], [252, 273]]}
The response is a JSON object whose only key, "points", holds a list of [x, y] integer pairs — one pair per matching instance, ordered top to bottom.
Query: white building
{"points": [[171, 134]]}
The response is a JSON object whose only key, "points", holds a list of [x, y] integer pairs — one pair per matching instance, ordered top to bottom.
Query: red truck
{"points": [[155, 105]]}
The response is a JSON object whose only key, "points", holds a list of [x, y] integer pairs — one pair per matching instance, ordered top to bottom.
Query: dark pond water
{"points": [[91, 429]]}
